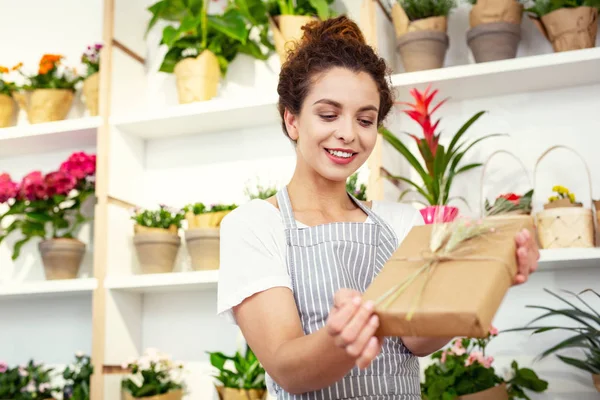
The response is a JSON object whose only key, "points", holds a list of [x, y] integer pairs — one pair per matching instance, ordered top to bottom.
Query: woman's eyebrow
{"points": [[339, 105]]}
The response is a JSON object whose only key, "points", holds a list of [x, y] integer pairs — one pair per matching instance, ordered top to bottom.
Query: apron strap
{"points": [[285, 206], [388, 231]]}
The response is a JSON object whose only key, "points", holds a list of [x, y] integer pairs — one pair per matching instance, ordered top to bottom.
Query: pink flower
{"points": [[80, 165], [59, 182], [33, 186], [8, 188], [493, 331], [458, 348], [444, 356], [475, 356], [487, 362], [3, 367]]}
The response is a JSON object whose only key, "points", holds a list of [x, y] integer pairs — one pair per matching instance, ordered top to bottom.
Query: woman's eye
{"points": [[328, 117], [365, 122]]}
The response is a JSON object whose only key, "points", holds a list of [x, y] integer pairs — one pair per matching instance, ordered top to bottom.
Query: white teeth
{"points": [[342, 154]]}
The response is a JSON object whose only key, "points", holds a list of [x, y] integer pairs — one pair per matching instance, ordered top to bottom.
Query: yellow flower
{"points": [[18, 66], [3, 70], [572, 197], [552, 198]]}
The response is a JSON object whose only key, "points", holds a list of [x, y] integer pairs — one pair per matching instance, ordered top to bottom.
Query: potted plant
{"points": [[287, 17], [567, 24], [495, 29], [421, 32], [200, 49], [91, 80], [48, 95], [7, 104], [442, 164], [358, 191], [260, 192], [509, 204], [50, 207], [202, 233], [156, 238], [584, 328], [463, 371], [155, 377], [77, 378], [11, 381], [245, 381], [36, 382]]}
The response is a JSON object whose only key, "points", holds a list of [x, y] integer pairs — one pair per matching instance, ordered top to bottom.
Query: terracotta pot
{"points": [[287, 32], [494, 41], [423, 50], [197, 78], [90, 91], [45, 105], [7, 110], [440, 214], [203, 245], [156, 250], [61, 257], [596, 379], [496, 393], [240, 394], [173, 395]]}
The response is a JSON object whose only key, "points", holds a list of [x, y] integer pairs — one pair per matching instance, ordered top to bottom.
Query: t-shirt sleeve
{"points": [[251, 260]]}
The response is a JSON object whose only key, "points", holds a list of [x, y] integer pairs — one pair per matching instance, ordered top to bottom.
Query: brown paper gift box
{"points": [[461, 296]]}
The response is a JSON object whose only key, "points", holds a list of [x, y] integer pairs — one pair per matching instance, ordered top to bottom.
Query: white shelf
{"points": [[519, 75], [208, 116], [49, 136], [565, 259], [169, 282], [48, 288]]}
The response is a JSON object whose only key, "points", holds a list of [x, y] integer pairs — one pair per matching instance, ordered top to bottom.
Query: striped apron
{"points": [[325, 258]]}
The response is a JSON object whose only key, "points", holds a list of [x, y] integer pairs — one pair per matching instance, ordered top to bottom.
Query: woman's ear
{"points": [[291, 124]]}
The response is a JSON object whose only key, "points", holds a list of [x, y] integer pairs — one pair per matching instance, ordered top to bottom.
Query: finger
{"points": [[520, 239], [523, 265], [344, 296], [340, 317], [356, 324], [358, 346], [368, 355]]}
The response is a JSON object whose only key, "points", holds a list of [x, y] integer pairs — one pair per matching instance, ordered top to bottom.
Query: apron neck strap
{"points": [[285, 207]]}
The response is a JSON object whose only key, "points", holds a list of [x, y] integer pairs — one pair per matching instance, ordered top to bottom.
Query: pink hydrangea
{"points": [[80, 165], [59, 182], [33, 186], [8, 188], [3, 367]]}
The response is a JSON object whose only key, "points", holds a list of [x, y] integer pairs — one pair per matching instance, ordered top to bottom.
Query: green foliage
{"points": [[475, 1], [320, 8], [539, 8], [420, 9], [226, 35], [52, 74], [7, 87], [260, 192], [359, 192], [510, 203], [201, 208], [163, 218], [586, 332], [248, 373], [154, 375], [77, 379], [11, 382], [35, 382]]}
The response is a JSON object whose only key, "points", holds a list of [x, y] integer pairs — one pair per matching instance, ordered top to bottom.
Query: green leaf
{"points": [[322, 8], [230, 24], [169, 36], [252, 49], [462, 131], [422, 192], [41, 217], [18, 245], [579, 364]]}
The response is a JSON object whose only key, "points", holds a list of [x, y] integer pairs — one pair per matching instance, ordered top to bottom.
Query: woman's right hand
{"points": [[352, 326]]}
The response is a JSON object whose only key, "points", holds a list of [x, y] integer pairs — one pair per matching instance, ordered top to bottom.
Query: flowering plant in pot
{"points": [[567, 24], [495, 29], [421, 32], [201, 46], [91, 79], [7, 88], [48, 95], [442, 164], [260, 192], [51, 207], [202, 233], [156, 237], [584, 329], [464, 371], [154, 377], [77, 378], [11, 381], [245, 381], [36, 382]]}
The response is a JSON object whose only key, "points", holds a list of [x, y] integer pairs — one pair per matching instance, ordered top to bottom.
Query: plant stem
{"points": [[204, 17]]}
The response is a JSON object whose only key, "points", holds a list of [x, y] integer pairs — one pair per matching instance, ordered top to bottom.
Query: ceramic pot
{"points": [[494, 41], [423, 50], [440, 214], [203, 246], [156, 249], [61, 257]]}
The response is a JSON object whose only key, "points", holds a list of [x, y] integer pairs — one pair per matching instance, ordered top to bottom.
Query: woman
{"points": [[293, 267]]}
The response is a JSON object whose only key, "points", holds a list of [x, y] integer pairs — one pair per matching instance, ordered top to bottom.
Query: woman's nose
{"points": [[346, 131]]}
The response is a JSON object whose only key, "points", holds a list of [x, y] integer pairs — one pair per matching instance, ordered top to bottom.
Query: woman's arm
{"points": [[302, 363]]}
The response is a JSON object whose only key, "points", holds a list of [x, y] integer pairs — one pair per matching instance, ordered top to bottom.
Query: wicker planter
{"points": [[570, 28], [287, 31], [197, 78], [90, 91], [45, 105], [7, 111], [203, 246], [156, 248], [61, 257], [496, 393], [240, 394], [173, 395]]}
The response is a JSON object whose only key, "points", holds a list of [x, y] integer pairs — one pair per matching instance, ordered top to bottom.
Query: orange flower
{"points": [[48, 63], [18, 66], [3, 70]]}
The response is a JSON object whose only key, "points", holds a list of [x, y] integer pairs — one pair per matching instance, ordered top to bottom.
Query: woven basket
{"points": [[90, 91], [45, 105], [7, 110], [565, 227]]}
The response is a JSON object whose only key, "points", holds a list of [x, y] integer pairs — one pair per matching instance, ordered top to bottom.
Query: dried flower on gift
{"points": [[510, 203]]}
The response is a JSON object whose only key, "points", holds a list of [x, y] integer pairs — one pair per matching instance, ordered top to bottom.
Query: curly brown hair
{"points": [[336, 42]]}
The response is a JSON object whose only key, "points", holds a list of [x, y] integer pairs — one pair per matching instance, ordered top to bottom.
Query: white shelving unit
{"points": [[568, 259], [164, 283], [82, 286]]}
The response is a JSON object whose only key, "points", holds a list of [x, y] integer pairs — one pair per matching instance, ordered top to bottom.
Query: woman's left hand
{"points": [[528, 255]]}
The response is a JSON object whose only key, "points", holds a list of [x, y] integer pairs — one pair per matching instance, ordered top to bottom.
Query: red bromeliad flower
{"points": [[80, 165], [59, 182], [33, 187], [8, 188], [513, 198]]}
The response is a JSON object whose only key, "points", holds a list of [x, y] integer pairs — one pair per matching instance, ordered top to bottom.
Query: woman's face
{"points": [[337, 126]]}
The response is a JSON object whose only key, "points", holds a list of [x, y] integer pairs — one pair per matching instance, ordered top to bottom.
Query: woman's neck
{"points": [[315, 193]]}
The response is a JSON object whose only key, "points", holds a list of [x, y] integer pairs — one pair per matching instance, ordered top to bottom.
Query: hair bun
{"points": [[334, 28]]}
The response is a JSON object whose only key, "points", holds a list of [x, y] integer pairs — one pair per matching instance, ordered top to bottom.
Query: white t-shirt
{"points": [[253, 248]]}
